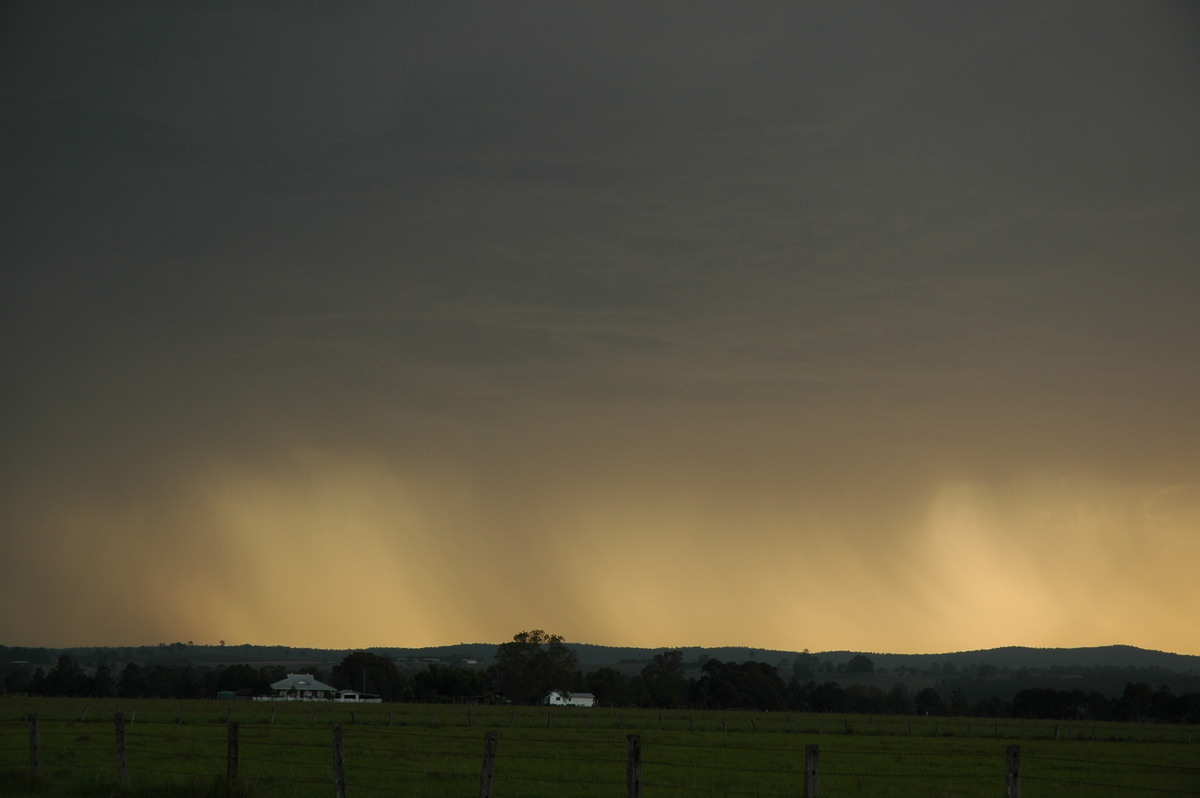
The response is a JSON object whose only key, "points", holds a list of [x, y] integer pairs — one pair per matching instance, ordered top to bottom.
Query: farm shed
{"points": [[355, 697], [559, 698]]}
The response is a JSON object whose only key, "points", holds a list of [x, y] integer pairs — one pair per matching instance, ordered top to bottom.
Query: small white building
{"points": [[355, 697], [560, 698]]}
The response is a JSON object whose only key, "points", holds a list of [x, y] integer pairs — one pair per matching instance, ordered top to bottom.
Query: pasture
{"points": [[286, 749]]}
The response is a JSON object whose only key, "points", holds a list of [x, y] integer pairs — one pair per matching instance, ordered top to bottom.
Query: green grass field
{"points": [[286, 749]]}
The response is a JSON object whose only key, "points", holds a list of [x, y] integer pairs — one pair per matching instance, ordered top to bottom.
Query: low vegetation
{"points": [[525, 669], [181, 748]]}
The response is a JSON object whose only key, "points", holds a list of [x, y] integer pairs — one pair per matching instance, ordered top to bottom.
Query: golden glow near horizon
{"points": [[339, 552]]}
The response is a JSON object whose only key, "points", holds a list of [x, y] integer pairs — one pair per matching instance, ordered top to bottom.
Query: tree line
{"points": [[534, 663]]}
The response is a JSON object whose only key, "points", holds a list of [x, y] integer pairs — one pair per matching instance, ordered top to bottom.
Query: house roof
{"points": [[302, 681]]}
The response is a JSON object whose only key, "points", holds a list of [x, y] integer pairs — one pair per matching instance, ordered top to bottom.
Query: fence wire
{"points": [[445, 761], [1124, 789]]}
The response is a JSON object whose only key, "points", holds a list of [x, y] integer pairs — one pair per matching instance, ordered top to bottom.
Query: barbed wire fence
{"points": [[351, 761]]}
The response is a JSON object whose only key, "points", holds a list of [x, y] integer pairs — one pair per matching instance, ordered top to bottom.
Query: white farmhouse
{"points": [[302, 687], [560, 698]]}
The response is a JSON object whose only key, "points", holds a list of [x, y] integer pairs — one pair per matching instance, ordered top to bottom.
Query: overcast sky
{"points": [[789, 325]]}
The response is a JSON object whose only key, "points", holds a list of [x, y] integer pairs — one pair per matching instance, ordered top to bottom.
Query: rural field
{"points": [[287, 749]]}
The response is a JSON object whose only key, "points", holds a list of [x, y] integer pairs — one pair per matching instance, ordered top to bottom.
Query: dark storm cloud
{"points": [[539, 157], [779, 262]]}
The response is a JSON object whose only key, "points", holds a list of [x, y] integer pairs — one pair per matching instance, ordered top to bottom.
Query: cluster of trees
{"points": [[535, 663], [362, 670], [66, 678], [1139, 702]]}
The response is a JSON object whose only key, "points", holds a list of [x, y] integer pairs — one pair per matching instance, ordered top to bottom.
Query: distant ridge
{"points": [[592, 656], [1116, 656], [1013, 657]]}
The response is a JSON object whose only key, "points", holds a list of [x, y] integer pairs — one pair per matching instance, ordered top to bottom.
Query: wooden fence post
{"points": [[35, 748], [122, 751], [339, 763], [231, 765], [633, 767], [812, 771], [1012, 774], [487, 776]]}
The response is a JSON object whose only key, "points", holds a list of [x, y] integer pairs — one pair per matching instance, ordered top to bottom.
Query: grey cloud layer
{"points": [[783, 244]]}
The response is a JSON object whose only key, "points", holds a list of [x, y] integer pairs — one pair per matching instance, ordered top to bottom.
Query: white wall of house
{"points": [[561, 699]]}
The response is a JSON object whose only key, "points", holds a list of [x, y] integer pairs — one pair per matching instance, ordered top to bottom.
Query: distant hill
{"points": [[593, 656], [1016, 657], [629, 659]]}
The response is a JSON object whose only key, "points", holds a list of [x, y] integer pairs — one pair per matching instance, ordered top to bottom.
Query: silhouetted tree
{"points": [[860, 663], [532, 665], [805, 667], [368, 672], [17, 678], [66, 679], [244, 679], [663, 680], [132, 682], [103, 683], [447, 683], [746, 685], [609, 686], [798, 695], [828, 697], [866, 699], [898, 701], [929, 702], [958, 702], [1046, 702], [1136, 702], [991, 707]]}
